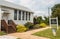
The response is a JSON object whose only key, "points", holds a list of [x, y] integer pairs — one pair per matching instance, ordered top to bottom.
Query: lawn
{"points": [[2, 33], [48, 33]]}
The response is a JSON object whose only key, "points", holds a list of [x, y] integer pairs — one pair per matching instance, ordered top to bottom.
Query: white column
{"points": [[21, 15], [31, 17], [0, 18], [57, 23]]}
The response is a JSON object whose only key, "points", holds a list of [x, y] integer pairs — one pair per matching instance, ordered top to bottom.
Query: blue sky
{"points": [[40, 7]]}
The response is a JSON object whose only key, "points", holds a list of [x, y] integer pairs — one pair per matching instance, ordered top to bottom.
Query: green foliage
{"points": [[56, 11], [38, 20], [46, 20], [29, 25], [43, 25], [36, 26], [21, 28], [2, 33]]}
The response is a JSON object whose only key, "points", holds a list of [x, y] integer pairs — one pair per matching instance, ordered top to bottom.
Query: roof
{"points": [[15, 6]]}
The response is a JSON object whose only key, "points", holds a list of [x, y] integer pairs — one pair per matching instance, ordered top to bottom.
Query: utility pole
{"points": [[49, 17]]}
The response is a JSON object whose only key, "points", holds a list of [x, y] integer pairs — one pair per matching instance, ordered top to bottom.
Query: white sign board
{"points": [[54, 22], [54, 25]]}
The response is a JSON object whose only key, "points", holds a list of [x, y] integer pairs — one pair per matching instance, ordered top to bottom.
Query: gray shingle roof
{"points": [[15, 6]]}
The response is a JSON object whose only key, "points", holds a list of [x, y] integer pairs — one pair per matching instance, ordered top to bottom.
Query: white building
{"points": [[12, 14], [18, 14]]}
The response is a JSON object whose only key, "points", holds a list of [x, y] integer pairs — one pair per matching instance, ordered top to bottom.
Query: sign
{"points": [[54, 22], [54, 25]]}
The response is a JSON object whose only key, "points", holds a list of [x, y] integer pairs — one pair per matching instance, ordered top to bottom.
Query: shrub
{"points": [[29, 25], [43, 25], [36, 26], [21, 28], [2, 33], [17, 38]]}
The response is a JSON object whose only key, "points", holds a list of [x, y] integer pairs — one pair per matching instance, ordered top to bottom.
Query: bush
{"points": [[29, 25], [43, 25], [36, 26], [21, 28], [2, 33], [17, 38]]}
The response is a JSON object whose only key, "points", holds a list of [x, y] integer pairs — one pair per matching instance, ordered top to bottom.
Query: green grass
{"points": [[2, 33], [48, 33]]}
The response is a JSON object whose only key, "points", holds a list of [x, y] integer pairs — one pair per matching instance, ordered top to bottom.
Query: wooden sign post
{"points": [[54, 25]]}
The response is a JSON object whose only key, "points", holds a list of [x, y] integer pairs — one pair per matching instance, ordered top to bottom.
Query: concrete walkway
{"points": [[28, 34], [7, 37]]}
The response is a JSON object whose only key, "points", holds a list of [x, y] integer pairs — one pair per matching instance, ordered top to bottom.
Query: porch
{"points": [[7, 25]]}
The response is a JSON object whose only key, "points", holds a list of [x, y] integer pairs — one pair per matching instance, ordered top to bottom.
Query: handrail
{"points": [[3, 23], [11, 23], [6, 25]]}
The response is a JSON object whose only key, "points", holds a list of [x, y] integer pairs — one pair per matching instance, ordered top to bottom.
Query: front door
{"points": [[5, 17]]}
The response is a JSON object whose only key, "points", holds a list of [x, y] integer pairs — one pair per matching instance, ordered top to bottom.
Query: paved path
{"points": [[28, 34], [7, 37]]}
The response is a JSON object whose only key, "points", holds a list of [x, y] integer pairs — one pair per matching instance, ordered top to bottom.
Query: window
{"points": [[15, 14], [19, 15], [23, 15], [26, 15], [29, 16]]}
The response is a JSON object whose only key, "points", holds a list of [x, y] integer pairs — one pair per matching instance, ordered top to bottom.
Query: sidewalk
{"points": [[28, 34], [7, 37]]}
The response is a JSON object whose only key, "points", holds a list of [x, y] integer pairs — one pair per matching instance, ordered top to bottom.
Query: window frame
{"points": [[15, 14], [23, 15], [29, 15], [19, 17]]}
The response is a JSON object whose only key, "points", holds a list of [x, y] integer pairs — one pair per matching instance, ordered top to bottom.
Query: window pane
{"points": [[15, 14], [19, 15], [23, 15], [26, 15], [29, 16]]}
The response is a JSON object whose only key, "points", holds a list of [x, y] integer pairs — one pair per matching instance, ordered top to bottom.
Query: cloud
{"points": [[10, 0], [14, 1], [40, 7], [41, 13]]}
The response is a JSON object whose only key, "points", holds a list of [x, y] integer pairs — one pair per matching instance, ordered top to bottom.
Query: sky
{"points": [[39, 7]]}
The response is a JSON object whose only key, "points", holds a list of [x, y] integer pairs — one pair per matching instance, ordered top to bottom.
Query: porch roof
{"points": [[15, 6]]}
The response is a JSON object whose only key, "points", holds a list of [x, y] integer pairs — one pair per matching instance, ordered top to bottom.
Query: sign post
{"points": [[54, 25]]}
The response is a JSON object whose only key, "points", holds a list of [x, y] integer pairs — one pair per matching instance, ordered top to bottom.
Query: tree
{"points": [[56, 11], [38, 20], [46, 20]]}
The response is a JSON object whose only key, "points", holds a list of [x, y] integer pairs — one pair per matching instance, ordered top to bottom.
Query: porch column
{"points": [[31, 17], [0, 18]]}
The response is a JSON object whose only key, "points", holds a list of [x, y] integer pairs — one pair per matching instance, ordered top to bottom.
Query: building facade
{"points": [[19, 14]]}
